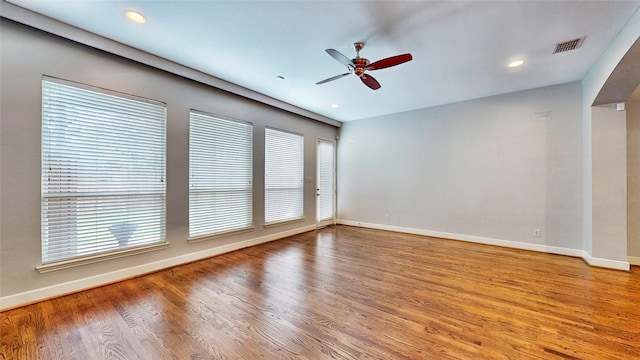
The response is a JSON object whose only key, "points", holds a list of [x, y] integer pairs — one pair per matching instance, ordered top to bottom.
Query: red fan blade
{"points": [[341, 58], [390, 61], [332, 78], [370, 81]]}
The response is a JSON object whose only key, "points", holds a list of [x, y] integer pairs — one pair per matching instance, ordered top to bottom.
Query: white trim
{"points": [[30, 18], [282, 222], [197, 239], [633, 260], [599, 262], [606, 263], [67, 264], [48, 292]]}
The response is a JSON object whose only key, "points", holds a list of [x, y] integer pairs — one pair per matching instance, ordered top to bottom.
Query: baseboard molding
{"points": [[633, 260], [599, 262], [605, 263], [49, 292]]}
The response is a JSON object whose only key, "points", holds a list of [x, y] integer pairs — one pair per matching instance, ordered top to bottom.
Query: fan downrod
{"points": [[357, 46], [359, 64]]}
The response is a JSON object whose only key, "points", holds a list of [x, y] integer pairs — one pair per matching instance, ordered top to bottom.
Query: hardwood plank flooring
{"points": [[345, 293]]}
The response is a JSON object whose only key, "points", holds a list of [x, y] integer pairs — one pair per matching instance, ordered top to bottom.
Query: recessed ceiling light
{"points": [[135, 16], [516, 63], [334, 105]]}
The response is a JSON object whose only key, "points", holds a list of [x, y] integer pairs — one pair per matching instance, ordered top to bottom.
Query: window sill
{"points": [[283, 222], [219, 235], [68, 264]]}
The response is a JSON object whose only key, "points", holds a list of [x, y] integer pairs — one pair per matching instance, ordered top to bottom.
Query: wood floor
{"points": [[345, 293]]}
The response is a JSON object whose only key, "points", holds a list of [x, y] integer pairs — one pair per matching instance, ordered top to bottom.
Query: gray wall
{"points": [[26, 55], [483, 168], [633, 175], [609, 179]]}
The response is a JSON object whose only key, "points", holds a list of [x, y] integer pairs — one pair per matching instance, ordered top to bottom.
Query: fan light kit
{"points": [[359, 66]]}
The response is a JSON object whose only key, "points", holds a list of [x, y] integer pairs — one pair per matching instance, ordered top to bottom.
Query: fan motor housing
{"points": [[360, 64]]}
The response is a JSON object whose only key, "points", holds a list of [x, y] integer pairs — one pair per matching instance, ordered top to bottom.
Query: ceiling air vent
{"points": [[568, 45]]}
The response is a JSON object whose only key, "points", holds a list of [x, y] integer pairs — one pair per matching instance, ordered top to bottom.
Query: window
{"points": [[103, 171], [220, 173], [283, 176]]}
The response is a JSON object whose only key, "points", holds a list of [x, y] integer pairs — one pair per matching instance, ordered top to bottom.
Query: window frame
{"points": [[82, 115], [300, 187], [249, 225]]}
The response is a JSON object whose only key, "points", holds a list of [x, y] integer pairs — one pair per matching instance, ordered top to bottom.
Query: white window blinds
{"points": [[103, 171], [220, 173], [325, 174], [284, 176]]}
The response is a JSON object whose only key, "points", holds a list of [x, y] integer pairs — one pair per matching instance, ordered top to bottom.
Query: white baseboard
{"points": [[633, 260], [599, 262], [606, 263], [32, 296]]}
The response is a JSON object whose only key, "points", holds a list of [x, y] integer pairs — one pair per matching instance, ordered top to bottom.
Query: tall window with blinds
{"points": [[103, 171], [220, 173], [284, 176]]}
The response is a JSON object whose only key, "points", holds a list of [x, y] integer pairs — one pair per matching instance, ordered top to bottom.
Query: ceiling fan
{"points": [[359, 65]]}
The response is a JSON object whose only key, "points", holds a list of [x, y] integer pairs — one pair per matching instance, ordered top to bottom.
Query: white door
{"points": [[325, 182]]}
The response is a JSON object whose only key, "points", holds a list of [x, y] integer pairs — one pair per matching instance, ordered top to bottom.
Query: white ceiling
{"points": [[460, 48]]}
